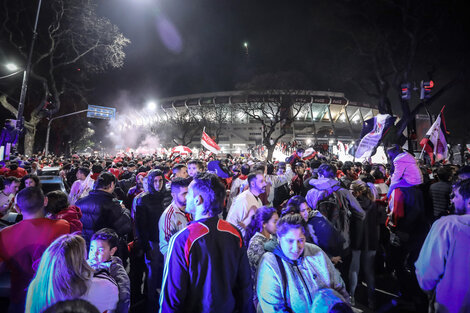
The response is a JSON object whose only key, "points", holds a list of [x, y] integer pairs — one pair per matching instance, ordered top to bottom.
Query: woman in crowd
{"points": [[30, 180], [319, 230], [259, 231], [364, 240], [64, 274], [293, 275]]}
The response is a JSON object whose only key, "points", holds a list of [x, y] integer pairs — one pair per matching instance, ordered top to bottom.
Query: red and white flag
{"points": [[209, 143], [435, 143]]}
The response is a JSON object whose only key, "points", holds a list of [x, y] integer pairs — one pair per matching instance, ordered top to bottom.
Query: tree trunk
{"points": [[30, 134], [270, 152]]}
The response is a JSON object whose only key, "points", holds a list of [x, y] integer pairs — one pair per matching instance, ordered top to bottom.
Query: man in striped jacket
{"points": [[174, 218]]}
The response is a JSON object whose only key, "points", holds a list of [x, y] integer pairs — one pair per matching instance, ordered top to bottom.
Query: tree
{"points": [[387, 43], [73, 44], [274, 106], [178, 127]]}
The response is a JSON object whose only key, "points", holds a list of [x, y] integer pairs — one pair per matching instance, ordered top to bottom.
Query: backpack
{"points": [[333, 207]]}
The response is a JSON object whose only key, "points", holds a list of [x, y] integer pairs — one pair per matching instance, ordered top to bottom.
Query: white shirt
{"points": [[240, 208]]}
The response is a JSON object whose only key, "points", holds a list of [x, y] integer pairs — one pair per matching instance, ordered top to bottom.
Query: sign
{"points": [[104, 113]]}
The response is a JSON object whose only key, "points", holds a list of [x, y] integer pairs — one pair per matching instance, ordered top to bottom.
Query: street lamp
{"points": [[245, 44], [11, 67], [27, 71], [152, 106]]}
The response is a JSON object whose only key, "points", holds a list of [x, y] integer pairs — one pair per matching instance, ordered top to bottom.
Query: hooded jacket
{"points": [[326, 186], [149, 207], [72, 214], [117, 272], [312, 272]]}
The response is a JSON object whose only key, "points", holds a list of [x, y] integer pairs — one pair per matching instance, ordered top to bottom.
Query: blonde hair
{"points": [[359, 187], [63, 274]]}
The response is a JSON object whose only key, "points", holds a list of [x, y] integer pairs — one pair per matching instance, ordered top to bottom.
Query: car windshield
{"points": [[50, 187]]}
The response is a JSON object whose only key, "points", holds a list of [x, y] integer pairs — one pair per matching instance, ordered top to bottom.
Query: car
{"points": [[49, 171], [52, 183]]}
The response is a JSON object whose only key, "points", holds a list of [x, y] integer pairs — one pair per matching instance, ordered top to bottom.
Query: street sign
{"points": [[104, 113]]}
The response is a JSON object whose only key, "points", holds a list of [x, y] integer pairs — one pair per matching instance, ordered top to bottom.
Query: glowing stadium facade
{"points": [[319, 116]]}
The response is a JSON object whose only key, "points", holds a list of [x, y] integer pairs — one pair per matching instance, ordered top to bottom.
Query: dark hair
{"points": [[198, 164], [347, 166], [96, 168], [177, 168], [245, 169], [269, 169], [84, 170], [326, 170], [377, 173], [444, 174], [29, 176], [251, 177], [8, 180], [104, 181], [178, 182], [209, 187], [464, 188], [30, 199], [56, 201], [295, 203], [262, 215], [290, 221], [108, 235], [72, 306]]}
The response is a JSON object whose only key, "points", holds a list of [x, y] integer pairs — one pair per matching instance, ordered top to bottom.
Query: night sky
{"points": [[183, 47]]}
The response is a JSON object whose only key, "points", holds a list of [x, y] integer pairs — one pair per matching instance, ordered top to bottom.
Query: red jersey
{"points": [[21, 248]]}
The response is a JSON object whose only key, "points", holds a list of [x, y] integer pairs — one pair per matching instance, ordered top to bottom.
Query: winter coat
{"points": [[149, 207], [101, 209], [72, 214], [365, 234], [117, 272], [312, 272]]}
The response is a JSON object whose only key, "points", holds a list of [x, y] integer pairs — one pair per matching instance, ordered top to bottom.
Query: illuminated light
{"points": [[245, 44], [11, 67], [152, 106], [309, 141]]}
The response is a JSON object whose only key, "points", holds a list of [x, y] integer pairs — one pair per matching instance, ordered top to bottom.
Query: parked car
{"points": [[51, 183]]}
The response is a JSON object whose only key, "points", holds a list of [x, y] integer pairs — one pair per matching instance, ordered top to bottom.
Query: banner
{"points": [[371, 134], [208, 143], [435, 143]]}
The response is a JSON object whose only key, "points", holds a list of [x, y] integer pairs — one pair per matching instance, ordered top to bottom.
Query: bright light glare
{"points": [[245, 44], [12, 67], [152, 105], [309, 141]]}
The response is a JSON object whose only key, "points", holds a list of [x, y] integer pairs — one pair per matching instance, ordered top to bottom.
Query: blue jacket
{"points": [[207, 270]]}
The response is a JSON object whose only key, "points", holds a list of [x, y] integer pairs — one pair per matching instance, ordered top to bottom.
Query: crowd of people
{"points": [[233, 234]]}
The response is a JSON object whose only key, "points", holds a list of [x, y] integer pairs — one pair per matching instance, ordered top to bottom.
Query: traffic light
{"points": [[426, 88], [406, 91]]}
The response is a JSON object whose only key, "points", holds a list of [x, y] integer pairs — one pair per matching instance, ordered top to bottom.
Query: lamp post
{"points": [[27, 71]]}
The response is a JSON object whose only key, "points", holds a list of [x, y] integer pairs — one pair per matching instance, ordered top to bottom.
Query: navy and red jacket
{"points": [[207, 270]]}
